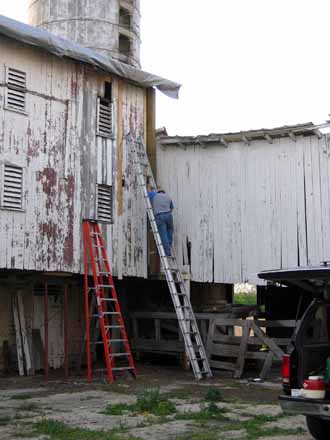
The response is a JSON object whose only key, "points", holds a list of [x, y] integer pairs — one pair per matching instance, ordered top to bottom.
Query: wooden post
{"points": [[157, 330], [46, 331], [24, 333], [19, 349], [66, 356], [239, 367]]}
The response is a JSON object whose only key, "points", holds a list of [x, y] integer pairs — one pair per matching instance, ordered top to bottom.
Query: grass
{"points": [[245, 299], [213, 395], [21, 397], [150, 402], [31, 406], [117, 409], [209, 412], [4, 420], [255, 428], [59, 431]]}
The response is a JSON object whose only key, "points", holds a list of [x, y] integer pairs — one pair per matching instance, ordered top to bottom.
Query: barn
{"points": [[65, 109]]}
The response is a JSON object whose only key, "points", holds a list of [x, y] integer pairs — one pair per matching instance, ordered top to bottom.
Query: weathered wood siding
{"points": [[63, 160], [249, 208]]}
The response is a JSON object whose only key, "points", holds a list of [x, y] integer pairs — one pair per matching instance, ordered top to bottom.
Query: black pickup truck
{"points": [[310, 345]]}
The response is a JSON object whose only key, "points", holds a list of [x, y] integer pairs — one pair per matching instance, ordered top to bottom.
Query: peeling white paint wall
{"points": [[56, 143], [249, 208]]}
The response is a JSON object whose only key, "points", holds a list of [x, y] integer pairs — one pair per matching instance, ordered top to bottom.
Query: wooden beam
{"points": [[151, 130], [292, 136], [269, 138], [246, 140], [223, 141], [120, 148], [24, 333], [19, 349], [242, 352], [278, 352], [267, 366]]}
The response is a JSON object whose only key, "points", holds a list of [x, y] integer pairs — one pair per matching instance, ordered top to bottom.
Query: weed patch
{"points": [[213, 395], [21, 397], [150, 401], [31, 406], [117, 409], [209, 412], [4, 420], [255, 428], [59, 431]]}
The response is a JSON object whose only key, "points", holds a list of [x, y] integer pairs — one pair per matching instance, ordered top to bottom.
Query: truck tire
{"points": [[319, 428]]}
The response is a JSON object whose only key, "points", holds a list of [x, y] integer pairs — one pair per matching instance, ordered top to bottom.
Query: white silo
{"points": [[111, 27]]}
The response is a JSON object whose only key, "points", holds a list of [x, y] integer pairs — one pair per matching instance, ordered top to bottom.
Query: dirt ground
{"points": [[164, 403]]}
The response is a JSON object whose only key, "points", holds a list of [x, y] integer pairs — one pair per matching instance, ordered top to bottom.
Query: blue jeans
{"points": [[165, 227]]}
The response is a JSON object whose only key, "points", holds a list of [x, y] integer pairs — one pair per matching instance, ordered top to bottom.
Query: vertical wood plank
{"points": [[151, 130], [120, 148], [24, 333], [19, 349], [239, 367]]}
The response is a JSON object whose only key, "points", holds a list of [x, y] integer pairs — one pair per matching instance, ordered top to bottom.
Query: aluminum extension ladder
{"points": [[181, 301], [101, 304]]}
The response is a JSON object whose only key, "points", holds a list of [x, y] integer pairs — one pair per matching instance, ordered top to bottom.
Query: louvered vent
{"points": [[16, 87], [104, 118], [12, 193], [104, 203]]}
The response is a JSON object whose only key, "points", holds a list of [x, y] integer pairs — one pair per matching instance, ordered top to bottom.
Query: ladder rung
{"points": [[106, 285], [108, 299], [113, 313], [114, 326], [117, 340], [119, 354], [122, 368]]}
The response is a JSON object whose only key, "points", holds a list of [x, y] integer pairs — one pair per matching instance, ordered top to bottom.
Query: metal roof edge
{"points": [[61, 47], [248, 136]]}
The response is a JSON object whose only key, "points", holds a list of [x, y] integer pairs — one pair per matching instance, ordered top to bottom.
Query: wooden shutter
{"points": [[16, 89], [104, 118], [12, 187], [104, 203]]}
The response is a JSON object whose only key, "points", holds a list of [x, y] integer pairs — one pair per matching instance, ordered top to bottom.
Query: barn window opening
{"points": [[124, 18], [124, 44], [16, 90], [108, 91], [105, 113], [12, 187], [104, 203]]}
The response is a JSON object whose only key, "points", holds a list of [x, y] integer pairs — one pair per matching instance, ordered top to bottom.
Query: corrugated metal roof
{"points": [[66, 48], [244, 136]]}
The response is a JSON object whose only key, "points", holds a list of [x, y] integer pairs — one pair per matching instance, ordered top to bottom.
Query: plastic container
{"points": [[314, 388]]}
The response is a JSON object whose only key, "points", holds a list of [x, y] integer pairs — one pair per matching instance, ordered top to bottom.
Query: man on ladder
{"points": [[162, 206]]}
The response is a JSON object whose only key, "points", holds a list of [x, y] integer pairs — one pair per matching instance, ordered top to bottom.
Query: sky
{"points": [[243, 64]]}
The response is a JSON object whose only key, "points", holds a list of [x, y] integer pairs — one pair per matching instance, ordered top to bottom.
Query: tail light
{"points": [[286, 366]]}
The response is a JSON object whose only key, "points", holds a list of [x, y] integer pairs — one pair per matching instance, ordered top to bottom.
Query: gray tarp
{"points": [[66, 48]]}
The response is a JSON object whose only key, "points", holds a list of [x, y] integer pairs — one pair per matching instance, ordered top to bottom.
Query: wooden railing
{"points": [[229, 342]]}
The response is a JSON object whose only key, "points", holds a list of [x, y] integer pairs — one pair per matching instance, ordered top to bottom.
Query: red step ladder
{"points": [[101, 303]]}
